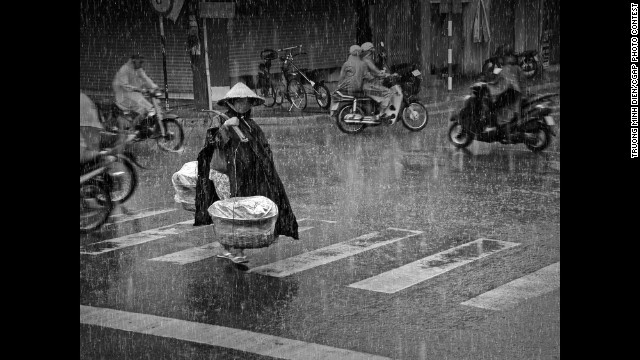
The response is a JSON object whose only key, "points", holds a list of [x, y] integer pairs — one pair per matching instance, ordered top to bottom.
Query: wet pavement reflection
{"points": [[382, 178]]}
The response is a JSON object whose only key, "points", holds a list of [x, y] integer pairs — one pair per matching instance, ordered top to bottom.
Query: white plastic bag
{"points": [[184, 182]]}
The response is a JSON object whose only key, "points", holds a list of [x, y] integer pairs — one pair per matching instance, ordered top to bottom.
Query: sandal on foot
{"points": [[225, 256], [234, 259], [240, 259]]}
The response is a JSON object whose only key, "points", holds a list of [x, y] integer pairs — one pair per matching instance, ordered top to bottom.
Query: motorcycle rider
{"points": [[352, 72], [129, 84], [372, 86], [507, 92]]}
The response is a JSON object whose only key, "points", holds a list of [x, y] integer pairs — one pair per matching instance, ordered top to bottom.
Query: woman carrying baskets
{"points": [[250, 167]]}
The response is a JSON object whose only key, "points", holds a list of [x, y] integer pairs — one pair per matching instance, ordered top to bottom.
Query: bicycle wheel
{"points": [[268, 92], [279, 94], [297, 95], [322, 96], [174, 135], [124, 180], [95, 205]]}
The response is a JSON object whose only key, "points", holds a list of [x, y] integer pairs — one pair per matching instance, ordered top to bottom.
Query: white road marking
{"points": [[124, 217], [304, 228], [139, 238], [203, 252], [192, 255], [325, 255], [426, 268], [510, 294], [214, 335]]}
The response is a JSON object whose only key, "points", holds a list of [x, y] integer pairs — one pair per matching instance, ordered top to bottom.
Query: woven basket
{"points": [[245, 233]]}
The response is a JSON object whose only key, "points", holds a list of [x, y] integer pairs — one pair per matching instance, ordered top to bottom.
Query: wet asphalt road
{"points": [[342, 187]]}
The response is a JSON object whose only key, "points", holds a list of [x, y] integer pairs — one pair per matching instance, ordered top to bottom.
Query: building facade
{"points": [[412, 30]]}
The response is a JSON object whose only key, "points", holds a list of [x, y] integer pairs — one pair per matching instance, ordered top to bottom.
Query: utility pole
{"points": [[449, 52], [164, 64]]}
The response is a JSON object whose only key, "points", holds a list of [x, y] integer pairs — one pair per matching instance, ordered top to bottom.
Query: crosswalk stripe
{"points": [[124, 217], [138, 238], [200, 253], [332, 253], [192, 255], [426, 268], [510, 294], [214, 335]]}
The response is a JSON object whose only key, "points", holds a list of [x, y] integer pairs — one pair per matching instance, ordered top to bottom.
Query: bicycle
{"points": [[264, 86], [296, 92]]}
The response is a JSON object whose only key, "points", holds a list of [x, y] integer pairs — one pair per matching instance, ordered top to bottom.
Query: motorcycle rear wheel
{"points": [[415, 116], [345, 127], [174, 136], [458, 136], [538, 140], [95, 205]]}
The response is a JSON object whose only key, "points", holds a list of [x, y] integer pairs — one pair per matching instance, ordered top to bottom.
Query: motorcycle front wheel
{"points": [[529, 66], [322, 96], [415, 116], [346, 127], [174, 136], [458, 136], [538, 139], [124, 180], [95, 205]]}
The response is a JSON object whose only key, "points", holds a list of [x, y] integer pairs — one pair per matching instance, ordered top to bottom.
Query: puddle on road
{"points": [[467, 252]]}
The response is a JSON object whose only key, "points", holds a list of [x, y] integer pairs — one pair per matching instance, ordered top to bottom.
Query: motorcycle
{"points": [[527, 60], [354, 113], [476, 119], [163, 127], [121, 172], [96, 203]]}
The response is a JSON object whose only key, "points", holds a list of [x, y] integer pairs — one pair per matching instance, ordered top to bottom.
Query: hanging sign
{"points": [[163, 7], [219, 10]]}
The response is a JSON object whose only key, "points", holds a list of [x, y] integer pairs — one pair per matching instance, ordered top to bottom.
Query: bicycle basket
{"points": [[268, 54]]}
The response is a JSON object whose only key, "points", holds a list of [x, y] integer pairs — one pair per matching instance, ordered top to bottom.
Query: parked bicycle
{"points": [[291, 85], [264, 86]]}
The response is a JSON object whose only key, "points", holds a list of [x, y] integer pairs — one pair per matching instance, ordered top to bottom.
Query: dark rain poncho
{"points": [[252, 173]]}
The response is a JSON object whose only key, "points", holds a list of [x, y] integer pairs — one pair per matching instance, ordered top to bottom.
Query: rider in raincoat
{"points": [[352, 72]]}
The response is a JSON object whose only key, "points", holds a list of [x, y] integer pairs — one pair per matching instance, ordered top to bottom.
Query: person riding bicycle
{"points": [[352, 72], [129, 84], [372, 86], [92, 135]]}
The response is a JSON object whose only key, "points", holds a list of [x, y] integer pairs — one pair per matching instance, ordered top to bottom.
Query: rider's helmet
{"points": [[367, 46], [355, 50]]}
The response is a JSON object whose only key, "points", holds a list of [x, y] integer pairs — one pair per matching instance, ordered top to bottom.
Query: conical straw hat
{"points": [[241, 90]]}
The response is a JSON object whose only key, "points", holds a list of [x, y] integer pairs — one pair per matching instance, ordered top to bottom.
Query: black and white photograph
{"points": [[323, 179]]}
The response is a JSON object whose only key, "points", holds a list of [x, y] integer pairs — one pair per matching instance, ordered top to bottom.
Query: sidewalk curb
{"points": [[433, 109]]}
